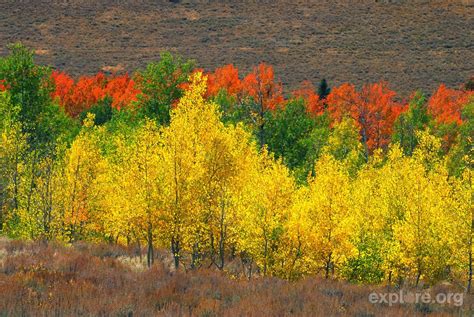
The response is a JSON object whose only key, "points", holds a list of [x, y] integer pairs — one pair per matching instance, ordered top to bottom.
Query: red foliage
{"points": [[226, 77], [260, 84], [2, 85], [63, 87], [88, 90], [123, 91], [77, 97], [342, 100], [446, 104], [314, 105], [374, 109], [381, 111]]}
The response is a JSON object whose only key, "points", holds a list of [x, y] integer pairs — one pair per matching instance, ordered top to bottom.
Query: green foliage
{"points": [[160, 83], [469, 85], [28, 87], [102, 111], [233, 112], [9, 113], [416, 118], [56, 126], [295, 136], [344, 145], [12, 151], [461, 156], [367, 266]]}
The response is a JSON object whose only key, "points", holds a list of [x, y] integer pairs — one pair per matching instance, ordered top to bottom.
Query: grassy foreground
{"points": [[100, 280]]}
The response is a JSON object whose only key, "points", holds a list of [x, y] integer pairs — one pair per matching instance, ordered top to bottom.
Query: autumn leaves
{"points": [[357, 185]]}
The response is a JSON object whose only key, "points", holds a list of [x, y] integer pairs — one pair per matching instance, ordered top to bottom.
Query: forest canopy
{"points": [[342, 182]]}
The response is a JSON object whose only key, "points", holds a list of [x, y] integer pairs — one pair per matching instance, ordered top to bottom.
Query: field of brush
{"points": [[412, 44], [103, 280]]}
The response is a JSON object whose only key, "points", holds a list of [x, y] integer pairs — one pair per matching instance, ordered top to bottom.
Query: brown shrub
{"points": [[42, 280]]}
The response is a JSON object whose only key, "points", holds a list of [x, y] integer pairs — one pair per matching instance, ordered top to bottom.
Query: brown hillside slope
{"points": [[411, 44]]}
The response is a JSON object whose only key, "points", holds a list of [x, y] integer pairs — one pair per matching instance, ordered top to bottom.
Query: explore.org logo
{"points": [[456, 299]]}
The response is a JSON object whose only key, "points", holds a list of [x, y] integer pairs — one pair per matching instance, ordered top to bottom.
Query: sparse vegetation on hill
{"points": [[412, 44]]}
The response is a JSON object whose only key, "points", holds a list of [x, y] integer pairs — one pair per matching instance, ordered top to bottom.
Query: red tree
{"points": [[227, 78], [261, 86], [88, 90], [122, 90], [267, 94], [342, 101], [446, 104], [314, 105], [374, 109]]}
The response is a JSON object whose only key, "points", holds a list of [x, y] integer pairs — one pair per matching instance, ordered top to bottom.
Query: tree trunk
{"points": [[366, 147], [16, 180], [32, 183], [222, 238], [139, 245], [175, 251], [265, 254], [150, 256], [195, 256], [295, 258], [328, 266], [250, 269], [418, 277], [390, 278], [469, 281]]}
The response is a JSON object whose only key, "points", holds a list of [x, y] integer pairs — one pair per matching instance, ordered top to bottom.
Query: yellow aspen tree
{"points": [[13, 149], [228, 151], [183, 157], [206, 164], [144, 179], [135, 188], [81, 193], [390, 194], [28, 197], [369, 210], [117, 211], [263, 211], [330, 214], [112, 219], [43, 220], [461, 226], [422, 229], [298, 239]]}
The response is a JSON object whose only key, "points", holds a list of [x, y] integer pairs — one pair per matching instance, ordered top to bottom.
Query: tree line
{"points": [[346, 183]]}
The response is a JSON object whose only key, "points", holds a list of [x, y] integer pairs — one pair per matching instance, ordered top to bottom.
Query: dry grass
{"points": [[410, 43], [53, 280]]}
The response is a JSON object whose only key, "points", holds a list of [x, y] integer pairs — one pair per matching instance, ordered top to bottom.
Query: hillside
{"points": [[411, 44], [135, 182]]}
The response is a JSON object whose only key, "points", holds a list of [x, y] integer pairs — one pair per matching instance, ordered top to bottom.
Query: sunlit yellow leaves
{"points": [[206, 192]]}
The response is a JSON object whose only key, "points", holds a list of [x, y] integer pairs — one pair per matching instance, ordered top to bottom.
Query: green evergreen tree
{"points": [[323, 89]]}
